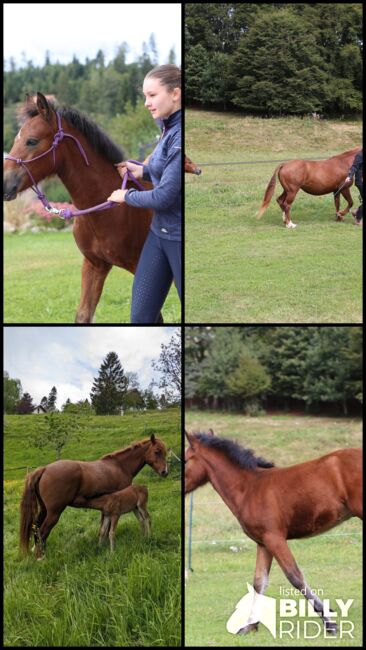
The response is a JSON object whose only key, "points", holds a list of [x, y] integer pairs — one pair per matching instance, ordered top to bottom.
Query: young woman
{"points": [[161, 257]]}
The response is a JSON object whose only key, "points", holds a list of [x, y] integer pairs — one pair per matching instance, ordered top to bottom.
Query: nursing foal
{"points": [[132, 498]]}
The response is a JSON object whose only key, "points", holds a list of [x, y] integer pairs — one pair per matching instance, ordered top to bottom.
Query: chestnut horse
{"points": [[190, 167], [314, 177], [114, 237], [48, 490], [132, 498], [274, 504]]}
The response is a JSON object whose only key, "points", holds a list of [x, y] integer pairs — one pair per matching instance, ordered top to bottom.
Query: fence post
{"points": [[190, 532]]}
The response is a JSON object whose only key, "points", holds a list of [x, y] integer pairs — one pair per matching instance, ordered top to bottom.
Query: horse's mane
{"points": [[96, 137], [133, 445], [241, 456]]}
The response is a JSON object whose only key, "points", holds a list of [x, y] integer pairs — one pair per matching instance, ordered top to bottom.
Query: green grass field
{"points": [[243, 269], [43, 279], [223, 557], [82, 595]]}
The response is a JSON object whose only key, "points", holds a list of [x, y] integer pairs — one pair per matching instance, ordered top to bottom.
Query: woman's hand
{"points": [[122, 167], [118, 196]]}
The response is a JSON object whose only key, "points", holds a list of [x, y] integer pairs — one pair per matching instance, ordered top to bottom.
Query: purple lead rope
{"points": [[66, 213]]}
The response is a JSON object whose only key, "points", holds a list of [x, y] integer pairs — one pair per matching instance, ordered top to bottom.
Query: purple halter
{"points": [[65, 213]]}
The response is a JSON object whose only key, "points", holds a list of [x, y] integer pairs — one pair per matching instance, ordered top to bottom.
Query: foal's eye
{"points": [[31, 142]]}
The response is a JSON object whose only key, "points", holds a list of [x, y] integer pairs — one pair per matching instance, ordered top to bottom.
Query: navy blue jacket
{"points": [[164, 170]]}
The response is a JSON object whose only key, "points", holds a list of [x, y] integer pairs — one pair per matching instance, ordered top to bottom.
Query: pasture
{"points": [[242, 269], [42, 279], [223, 557], [82, 595]]}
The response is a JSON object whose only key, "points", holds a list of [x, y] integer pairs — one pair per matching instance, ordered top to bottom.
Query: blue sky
{"points": [[65, 29], [70, 357]]}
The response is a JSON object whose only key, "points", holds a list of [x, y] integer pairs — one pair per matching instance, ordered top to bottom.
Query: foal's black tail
{"points": [[29, 507]]}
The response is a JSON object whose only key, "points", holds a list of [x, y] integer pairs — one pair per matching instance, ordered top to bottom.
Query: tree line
{"points": [[274, 59], [110, 94], [249, 369], [114, 391]]}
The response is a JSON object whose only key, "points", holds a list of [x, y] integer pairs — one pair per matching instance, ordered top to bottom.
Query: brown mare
{"points": [[190, 167], [314, 177], [114, 237], [48, 490], [132, 498], [274, 504]]}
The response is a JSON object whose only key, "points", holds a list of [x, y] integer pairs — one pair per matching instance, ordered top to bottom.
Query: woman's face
{"points": [[159, 100]]}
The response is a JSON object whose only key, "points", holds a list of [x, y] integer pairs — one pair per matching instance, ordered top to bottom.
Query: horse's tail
{"points": [[269, 192], [29, 507]]}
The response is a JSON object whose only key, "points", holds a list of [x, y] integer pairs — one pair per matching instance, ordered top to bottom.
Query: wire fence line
{"points": [[253, 162]]}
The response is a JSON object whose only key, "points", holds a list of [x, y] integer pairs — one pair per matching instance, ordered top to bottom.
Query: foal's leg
{"points": [[92, 282], [144, 518], [114, 522], [105, 523], [277, 545], [262, 569]]}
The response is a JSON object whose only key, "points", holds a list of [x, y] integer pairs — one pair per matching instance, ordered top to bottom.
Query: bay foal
{"points": [[112, 506]]}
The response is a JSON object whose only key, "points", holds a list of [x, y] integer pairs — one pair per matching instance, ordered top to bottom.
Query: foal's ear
{"points": [[29, 101], [44, 108], [210, 432], [190, 438], [153, 439]]}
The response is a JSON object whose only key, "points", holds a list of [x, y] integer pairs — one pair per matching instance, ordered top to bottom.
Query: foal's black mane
{"points": [[97, 139], [244, 458]]}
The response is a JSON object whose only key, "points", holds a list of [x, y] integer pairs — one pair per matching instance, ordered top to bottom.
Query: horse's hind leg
{"points": [[346, 195], [280, 200], [285, 200], [92, 281], [49, 522], [277, 545], [262, 569]]}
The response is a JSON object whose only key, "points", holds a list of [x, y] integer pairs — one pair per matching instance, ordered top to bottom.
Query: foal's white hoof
{"points": [[291, 225]]}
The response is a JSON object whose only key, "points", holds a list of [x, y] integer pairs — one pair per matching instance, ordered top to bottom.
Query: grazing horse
{"points": [[190, 167], [314, 177], [114, 237], [48, 490], [132, 498], [274, 504]]}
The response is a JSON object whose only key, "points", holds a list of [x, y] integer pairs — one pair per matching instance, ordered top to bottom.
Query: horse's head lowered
{"points": [[156, 456], [195, 472]]}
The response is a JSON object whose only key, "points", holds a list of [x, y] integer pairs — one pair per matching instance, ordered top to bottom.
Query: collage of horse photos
{"points": [[178, 345]]}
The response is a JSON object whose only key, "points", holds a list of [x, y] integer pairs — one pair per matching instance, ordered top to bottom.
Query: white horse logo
{"points": [[253, 608]]}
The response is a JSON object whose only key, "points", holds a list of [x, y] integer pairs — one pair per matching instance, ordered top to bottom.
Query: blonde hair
{"points": [[169, 75]]}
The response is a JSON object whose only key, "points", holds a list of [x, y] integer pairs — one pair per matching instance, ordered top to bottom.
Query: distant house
{"points": [[39, 409]]}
